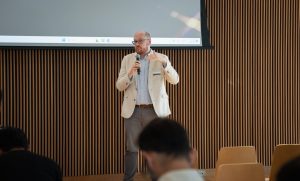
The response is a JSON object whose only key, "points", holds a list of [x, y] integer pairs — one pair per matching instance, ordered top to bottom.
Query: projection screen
{"points": [[99, 23]]}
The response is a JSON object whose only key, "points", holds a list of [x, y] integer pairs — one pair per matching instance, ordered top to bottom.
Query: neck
{"points": [[145, 54], [177, 164]]}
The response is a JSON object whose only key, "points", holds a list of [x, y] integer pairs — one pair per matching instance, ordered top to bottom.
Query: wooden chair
{"points": [[238, 154], [282, 154], [240, 172]]}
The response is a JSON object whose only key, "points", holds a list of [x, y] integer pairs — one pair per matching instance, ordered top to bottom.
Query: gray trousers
{"points": [[133, 127]]}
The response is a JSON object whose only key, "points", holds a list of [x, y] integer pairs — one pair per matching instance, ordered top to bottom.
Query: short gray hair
{"points": [[147, 35]]}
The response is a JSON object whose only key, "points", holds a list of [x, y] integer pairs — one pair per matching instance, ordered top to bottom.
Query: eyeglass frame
{"points": [[134, 42]]}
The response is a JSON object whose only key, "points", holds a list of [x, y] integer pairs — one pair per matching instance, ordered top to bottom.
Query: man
{"points": [[142, 78], [165, 146], [17, 163]]}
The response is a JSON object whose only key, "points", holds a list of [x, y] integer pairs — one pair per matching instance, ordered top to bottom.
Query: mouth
{"points": [[138, 48]]}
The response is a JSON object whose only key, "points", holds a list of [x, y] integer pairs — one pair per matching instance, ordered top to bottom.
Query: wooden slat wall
{"points": [[245, 91]]}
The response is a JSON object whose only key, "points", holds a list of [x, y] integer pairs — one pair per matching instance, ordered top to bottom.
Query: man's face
{"points": [[141, 43]]}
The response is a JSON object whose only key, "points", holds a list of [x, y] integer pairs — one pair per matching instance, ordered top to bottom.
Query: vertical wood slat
{"points": [[1, 85], [243, 92]]}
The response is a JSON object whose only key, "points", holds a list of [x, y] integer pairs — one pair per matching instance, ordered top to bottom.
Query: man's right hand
{"points": [[134, 69]]}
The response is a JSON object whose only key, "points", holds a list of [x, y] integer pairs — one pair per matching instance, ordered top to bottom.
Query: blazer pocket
{"points": [[156, 73]]}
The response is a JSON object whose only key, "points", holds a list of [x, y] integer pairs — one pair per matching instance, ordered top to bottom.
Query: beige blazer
{"points": [[157, 77]]}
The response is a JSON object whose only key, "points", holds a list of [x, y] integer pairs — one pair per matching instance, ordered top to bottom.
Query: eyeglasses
{"points": [[139, 41]]}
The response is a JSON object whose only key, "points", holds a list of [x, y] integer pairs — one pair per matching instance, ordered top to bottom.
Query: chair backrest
{"points": [[238, 154], [282, 154], [240, 172]]}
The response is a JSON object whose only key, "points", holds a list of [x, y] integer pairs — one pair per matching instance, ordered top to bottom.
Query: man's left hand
{"points": [[154, 57]]}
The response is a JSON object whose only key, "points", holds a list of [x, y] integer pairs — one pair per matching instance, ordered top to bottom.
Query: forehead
{"points": [[139, 35]]}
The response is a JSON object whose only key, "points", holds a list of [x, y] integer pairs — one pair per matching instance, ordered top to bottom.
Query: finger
{"points": [[137, 67]]}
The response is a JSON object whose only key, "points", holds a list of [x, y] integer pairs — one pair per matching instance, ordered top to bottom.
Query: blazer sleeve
{"points": [[170, 73], [123, 80]]}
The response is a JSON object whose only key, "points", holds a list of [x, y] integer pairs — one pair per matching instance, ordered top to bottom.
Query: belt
{"points": [[144, 106]]}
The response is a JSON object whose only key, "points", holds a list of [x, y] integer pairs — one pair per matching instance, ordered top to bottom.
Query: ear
{"points": [[149, 42], [148, 157], [193, 158]]}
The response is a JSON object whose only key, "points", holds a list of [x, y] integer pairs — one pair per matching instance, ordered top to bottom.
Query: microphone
{"points": [[138, 57]]}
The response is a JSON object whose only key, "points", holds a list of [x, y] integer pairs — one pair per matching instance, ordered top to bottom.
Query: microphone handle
{"points": [[138, 70]]}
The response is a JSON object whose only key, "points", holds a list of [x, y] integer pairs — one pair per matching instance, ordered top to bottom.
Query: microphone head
{"points": [[138, 56]]}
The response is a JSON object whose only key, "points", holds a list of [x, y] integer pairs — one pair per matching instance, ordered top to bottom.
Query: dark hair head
{"points": [[165, 136], [12, 138], [290, 170]]}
